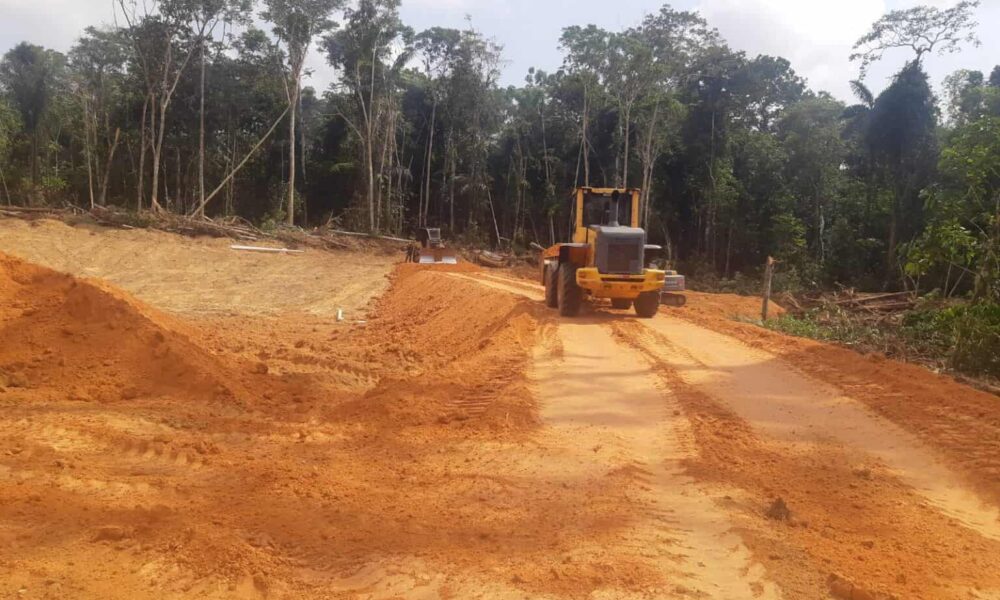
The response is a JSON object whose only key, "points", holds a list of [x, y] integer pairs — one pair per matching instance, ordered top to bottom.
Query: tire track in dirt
{"points": [[504, 284], [599, 399], [784, 404], [608, 414], [875, 514], [851, 525]]}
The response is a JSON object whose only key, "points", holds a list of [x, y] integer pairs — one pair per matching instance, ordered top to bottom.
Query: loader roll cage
{"points": [[612, 208]]}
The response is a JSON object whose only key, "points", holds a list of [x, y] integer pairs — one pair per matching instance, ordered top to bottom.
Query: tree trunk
{"points": [[293, 109], [201, 131], [161, 132], [586, 142], [628, 148], [88, 152], [370, 159], [141, 187], [451, 189], [6, 191], [103, 198], [422, 221], [729, 249], [890, 254], [768, 277]]}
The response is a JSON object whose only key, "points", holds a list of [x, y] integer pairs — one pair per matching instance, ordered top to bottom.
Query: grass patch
{"points": [[964, 338]]}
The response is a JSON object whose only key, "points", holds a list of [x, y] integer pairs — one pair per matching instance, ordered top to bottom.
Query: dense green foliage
{"points": [[737, 158]]}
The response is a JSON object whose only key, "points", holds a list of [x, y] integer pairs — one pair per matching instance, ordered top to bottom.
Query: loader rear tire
{"points": [[551, 287], [570, 296], [621, 303], [647, 304]]}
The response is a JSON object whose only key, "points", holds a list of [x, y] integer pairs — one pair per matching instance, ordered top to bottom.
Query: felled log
{"points": [[492, 259]]}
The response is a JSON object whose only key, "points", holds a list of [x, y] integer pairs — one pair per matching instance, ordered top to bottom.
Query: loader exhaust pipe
{"points": [[613, 217]]}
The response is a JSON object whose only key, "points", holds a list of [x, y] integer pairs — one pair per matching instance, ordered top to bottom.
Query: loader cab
{"points": [[606, 207]]}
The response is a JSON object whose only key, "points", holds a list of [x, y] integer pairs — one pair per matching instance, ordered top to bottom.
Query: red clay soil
{"points": [[961, 422], [402, 455], [145, 456], [845, 523]]}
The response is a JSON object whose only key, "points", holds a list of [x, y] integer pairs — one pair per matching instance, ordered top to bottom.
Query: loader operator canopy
{"points": [[600, 208]]}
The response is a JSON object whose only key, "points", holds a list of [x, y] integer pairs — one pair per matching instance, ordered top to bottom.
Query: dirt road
{"points": [[457, 440], [871, 504]]}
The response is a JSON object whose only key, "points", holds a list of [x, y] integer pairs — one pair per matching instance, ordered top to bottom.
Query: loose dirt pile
{"points": [[61, 334], [445, 362], [140, 461]]}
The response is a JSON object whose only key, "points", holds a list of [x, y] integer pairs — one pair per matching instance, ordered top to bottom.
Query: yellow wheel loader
{"points": [[606, 258]]}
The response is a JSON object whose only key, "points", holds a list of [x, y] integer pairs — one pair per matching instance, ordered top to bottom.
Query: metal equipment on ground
{"points": [[431, 249], [673, 283]]}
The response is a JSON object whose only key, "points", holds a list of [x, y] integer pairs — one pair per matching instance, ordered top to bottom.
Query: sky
{"points": [[815, 35]]}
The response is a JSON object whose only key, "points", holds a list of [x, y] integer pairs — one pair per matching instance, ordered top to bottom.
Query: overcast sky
{"points": [[815, 35]]}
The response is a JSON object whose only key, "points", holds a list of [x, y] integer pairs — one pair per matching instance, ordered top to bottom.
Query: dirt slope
{"points": [[425, 480]]}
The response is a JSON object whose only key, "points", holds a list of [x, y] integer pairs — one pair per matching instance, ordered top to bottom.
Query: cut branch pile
{"points": [[235, 228], [492, 259], [878, 304]]}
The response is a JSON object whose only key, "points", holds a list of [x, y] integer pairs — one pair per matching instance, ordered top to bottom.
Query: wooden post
{"points": [[768, 276]]}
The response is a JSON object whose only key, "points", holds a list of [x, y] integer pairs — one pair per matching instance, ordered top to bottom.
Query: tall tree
{"points": [[206, 15], [296, 23], [921, 29], [161, 44], [437, 48], [370, 51], [586, 55], [100, 60], [28, 73], [9, 126], [902, 138]]}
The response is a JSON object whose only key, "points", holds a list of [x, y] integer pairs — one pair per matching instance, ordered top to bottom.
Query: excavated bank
{"points": [[65, 335], [416, 474]]}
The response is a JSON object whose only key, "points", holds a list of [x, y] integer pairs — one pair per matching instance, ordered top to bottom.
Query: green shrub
{"points": [[976, 334]]}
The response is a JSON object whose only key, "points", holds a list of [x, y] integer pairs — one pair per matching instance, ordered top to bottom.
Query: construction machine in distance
{"points": [[431, 249], [606, 258]]}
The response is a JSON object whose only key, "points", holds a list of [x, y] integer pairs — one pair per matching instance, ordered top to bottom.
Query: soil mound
{"points": [[64, 334], [457, 350]]}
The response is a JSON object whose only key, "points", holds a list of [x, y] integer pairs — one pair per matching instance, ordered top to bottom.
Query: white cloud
{"points": [[51, 23], [815, 36]]}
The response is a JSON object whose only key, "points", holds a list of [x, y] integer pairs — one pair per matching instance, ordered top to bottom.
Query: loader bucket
{"points": [[438, 256]]}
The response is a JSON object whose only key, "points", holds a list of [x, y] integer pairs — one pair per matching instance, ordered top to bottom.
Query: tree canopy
{"points": [[198, 107]]}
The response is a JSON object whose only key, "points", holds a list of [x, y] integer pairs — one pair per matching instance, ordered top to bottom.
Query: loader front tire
{"points": [[551, 287], [570, 296], [621, 303], [647, 304]]}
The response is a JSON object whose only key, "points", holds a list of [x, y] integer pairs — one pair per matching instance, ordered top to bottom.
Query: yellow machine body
{"points": [[582, 252]]}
